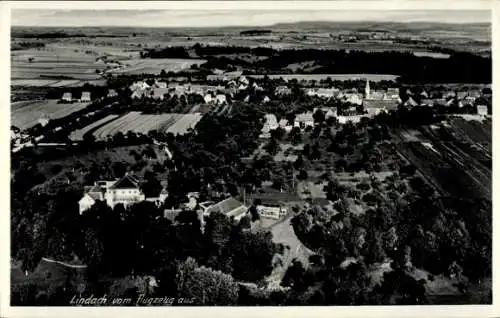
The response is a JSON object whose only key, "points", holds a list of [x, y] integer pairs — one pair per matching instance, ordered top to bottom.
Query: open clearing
{"points": [[26, 114], [143, 123], [283, 233]]}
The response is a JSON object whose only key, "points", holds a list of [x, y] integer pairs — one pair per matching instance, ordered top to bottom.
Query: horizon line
{"points": [[252, 26]]}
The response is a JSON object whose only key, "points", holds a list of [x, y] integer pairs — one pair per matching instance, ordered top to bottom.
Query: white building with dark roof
{"points": [[112, 93], [67, 97], [85, 97], [125, 190]]}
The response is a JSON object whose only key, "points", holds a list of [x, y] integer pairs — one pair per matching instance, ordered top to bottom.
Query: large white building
{"points": [[85, 97], [124, 191]]}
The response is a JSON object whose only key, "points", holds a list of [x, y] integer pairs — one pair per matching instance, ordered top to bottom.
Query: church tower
{"points": [[367, 89]]}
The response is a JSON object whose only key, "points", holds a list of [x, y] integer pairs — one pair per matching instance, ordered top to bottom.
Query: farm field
{"points": [[53, 62], [154, 66], [54, 82], [26, 114], [187, 121], [143, 123], [78, 134], [455, 157]]}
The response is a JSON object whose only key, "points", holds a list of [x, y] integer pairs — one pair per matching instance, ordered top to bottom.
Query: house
{"points": [[243, 80], [161, 84], [140, 85], [256, 87], [282, 91], [322, 92], [393, 92], [112, 93], [159, 93], [474, 93], [137, 94], [449, 94], [377, 95], [462, 95], [67, 97], [85, 97], [208, 98], [353, 98], [220, 99], [266, 99], [469, 100], [410, 102], [427, 102], [374, 107], [482, 110], [328, 111], [352, 119], [303, 120], [270, 124], [284, 124], [57, 129], [15, 132], [125, 190], [192, 200], [274, 204], [230, 207], [272, 210]]}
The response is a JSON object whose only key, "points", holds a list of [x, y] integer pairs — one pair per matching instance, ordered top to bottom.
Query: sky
{"points": [[221, 18]]}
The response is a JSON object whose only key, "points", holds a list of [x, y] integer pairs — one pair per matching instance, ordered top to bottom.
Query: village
{"points": [[349, 165]]}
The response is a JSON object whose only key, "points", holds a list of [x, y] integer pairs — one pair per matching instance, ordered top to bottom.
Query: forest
{"points": [[460, 67]]}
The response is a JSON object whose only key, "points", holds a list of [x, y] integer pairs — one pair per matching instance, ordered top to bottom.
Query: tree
{"points": [[319, 116], [272, 147], [299, 162], [119, 169], [302, 175], [152, 186], [217, 231], [375, 247], [94, 250], [252, 255], [295, 277], [206, 286]]}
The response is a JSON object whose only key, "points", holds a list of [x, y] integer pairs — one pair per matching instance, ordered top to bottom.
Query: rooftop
{"points": [[127, 182], [229, 207]]}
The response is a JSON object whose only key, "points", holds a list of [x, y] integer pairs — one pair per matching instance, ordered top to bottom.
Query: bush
{"points": [[363, 186]]}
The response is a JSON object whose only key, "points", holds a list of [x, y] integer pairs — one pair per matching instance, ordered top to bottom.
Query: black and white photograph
{"points": [[250, 157]]}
